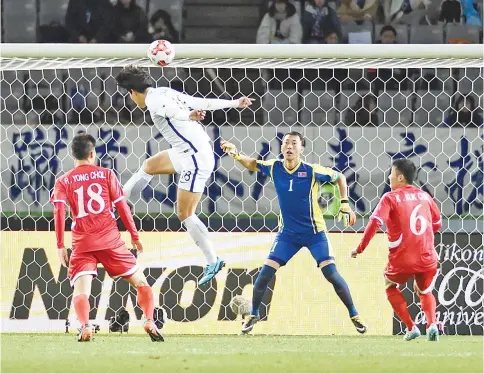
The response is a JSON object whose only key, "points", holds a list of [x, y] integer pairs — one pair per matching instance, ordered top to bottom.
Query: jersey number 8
{"points": [[94, 191]]}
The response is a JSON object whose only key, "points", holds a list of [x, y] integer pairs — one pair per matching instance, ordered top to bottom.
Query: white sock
{"points": [[137, 183], [199, 233]]}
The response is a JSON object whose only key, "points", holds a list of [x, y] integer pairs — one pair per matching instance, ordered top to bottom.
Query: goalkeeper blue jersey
{"points": [[298, 193]]}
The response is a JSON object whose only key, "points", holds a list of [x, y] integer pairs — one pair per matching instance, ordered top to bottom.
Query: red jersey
{"points": [[91, 192], [411, 217]]}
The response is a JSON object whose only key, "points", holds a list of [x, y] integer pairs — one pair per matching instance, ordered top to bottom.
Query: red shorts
{"points": [[119, 262], [424, 282]]}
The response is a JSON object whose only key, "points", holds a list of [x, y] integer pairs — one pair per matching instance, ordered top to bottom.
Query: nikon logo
{"points": [[453, 253], [36, 273]]}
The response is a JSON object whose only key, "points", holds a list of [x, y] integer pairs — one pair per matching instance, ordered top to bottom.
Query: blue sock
{"points": [[260, 286], [340, 286]]}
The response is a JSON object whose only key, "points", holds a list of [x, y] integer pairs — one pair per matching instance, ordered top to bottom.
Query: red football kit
{"points": [[91, 191], [411, 217]]}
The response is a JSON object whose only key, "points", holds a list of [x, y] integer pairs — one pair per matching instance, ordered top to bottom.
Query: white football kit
{"points": [[191, 152]]}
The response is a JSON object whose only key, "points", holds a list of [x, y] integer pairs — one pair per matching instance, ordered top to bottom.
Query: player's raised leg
{"points": [[157, 164], [187, 203], [320, 249], [423, 285], [82, 290], [146, 303], [399, 305]]}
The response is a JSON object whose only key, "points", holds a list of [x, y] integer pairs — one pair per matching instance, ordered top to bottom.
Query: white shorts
{"points": [[195, 168]]}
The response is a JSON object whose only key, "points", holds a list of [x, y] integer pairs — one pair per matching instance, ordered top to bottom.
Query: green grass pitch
{"points": [[113, 353]]}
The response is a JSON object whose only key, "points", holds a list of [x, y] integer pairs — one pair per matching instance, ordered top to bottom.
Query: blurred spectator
{"points": [[357, 10], [450, 11], [412, 12], [471, 15], [317, 18], [89, 21], [130, 23], [280, 25], [161, 27], [54, 32], [388, 35], [331, 37], [386, 78], [363, 113], [465, 114]]}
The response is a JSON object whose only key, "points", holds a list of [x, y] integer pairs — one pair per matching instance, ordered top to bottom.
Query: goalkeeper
{"points": [[301, 222]]}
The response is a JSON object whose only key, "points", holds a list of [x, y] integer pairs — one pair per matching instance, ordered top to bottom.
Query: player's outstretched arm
{"points": [[199, 103], [248, 162], [379, 216], [370, 231]]}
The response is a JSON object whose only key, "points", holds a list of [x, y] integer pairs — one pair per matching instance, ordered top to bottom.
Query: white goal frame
{"points": [[357, 56], [460, 250]]}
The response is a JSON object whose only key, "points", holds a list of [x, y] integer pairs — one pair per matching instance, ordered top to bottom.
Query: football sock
{"points": [[137, 183], [199, 233], [260, 286], [341, 287], [145, 301], [399, 305], [429, 305], [82, 307]]}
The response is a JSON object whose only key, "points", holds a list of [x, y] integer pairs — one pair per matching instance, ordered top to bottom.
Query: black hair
{"points": [[290, 8], [164, 15], [388, 28], [134, 78], [295, 133], [81, 145], [407, 168]]}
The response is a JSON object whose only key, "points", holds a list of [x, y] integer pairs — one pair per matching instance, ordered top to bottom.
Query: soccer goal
{"points": [[358, 106]]}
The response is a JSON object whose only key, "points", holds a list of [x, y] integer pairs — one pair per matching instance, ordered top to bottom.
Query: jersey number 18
{"points": [[94, 191]]}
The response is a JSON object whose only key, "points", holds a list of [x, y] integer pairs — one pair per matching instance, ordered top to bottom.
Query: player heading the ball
{"points": [[176, 116], [91, 191], [412, 218], [301, 221]]}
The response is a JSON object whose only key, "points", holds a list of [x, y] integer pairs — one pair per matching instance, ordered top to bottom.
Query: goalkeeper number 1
{"points": [[302, 223]]}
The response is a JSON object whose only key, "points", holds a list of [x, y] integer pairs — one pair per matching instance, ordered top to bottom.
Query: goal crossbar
{"points": [[356, 56]]}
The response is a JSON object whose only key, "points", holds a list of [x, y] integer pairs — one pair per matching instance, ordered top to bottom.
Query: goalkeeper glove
{"points": [[230, 149], [346, 213]]}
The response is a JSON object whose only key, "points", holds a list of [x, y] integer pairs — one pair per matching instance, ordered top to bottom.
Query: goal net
{"points": [[358, 107]]}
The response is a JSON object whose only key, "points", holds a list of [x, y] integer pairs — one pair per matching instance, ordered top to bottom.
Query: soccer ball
{"points": [[161, 52], [240, 305]]}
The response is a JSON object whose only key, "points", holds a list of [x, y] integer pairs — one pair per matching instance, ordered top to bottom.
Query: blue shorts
{"points": [[287, 245]]}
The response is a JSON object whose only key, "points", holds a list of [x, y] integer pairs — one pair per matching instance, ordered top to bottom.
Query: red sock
{"points": [[145, 301], [429, 305], [399, 306], [82, 307]]}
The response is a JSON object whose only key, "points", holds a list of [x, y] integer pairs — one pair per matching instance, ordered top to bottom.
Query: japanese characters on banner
{"points": [[450, 160]]}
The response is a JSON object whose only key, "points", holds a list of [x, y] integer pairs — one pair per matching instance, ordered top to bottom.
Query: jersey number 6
{"points": [[414, 218]]}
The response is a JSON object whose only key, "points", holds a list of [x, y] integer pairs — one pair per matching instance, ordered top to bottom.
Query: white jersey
{"points": [[170, 111]]}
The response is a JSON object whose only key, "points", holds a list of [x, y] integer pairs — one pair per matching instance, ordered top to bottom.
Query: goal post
{"points": [[358, 106]]}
